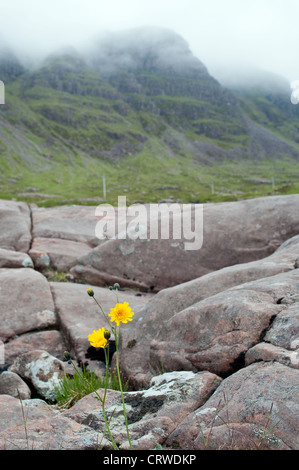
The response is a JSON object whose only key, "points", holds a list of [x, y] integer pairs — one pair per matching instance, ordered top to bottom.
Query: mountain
{"points": [[10, 66], [265, 98], [141, 109]]}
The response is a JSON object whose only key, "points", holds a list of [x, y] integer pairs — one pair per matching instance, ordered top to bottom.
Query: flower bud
{"points": [[116, 286], [90, 292], [107, 334], [67, 355]]}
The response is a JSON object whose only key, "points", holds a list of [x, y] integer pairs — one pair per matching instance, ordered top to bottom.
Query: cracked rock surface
{"points": [[212, 360]]}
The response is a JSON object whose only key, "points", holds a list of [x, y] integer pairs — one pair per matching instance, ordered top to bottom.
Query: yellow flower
{"points": [[121, 313], [97, 338]]}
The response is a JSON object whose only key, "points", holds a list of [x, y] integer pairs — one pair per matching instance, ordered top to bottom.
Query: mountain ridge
{"points": [[135, 94]]}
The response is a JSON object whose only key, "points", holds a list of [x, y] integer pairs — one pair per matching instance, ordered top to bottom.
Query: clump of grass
{"points": [[55, 275], [83, 382]]}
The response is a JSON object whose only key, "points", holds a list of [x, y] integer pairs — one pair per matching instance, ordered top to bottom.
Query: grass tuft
{"points": [[83, 382]]}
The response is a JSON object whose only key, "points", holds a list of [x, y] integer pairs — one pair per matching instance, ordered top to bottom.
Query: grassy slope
{"points": [[49, 141]]}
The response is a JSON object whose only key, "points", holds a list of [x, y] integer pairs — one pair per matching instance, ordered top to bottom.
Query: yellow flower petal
{"points": [[121, 313], [97, 338]]}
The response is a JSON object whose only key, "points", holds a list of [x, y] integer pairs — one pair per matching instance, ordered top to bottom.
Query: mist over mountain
{"points": [[145, 48], [10, 65], [251, 78], [140, 93]]}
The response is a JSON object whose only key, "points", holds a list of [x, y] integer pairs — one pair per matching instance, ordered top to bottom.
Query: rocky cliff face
{"points": [[10, 66], [134, 86]]}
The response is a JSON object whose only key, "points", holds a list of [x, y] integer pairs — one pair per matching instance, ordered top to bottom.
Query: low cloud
{"points": [[261, 33]]}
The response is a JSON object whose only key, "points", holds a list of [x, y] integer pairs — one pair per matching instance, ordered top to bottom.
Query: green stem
{"points": [[107, 319], [116, 336], [120, 386], [104, 398]]}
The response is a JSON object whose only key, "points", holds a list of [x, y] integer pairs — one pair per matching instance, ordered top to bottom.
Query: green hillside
{"points": [[149, 118]]}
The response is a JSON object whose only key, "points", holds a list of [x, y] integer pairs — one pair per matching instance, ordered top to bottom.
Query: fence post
{"points": [[2, 93], [104, 187]]}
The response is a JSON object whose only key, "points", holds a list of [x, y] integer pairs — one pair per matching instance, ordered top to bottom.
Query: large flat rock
{"points": [[75, 223], [15, 232], [233, 233], [57, 253], [14, 259], [269, 284], [171, 300], [26, 302], [214, 333], [49, 339], [255, 408], [11, 413]]}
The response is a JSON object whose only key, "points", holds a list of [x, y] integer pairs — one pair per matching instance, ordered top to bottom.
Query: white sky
{"points": [[262, 33]]}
